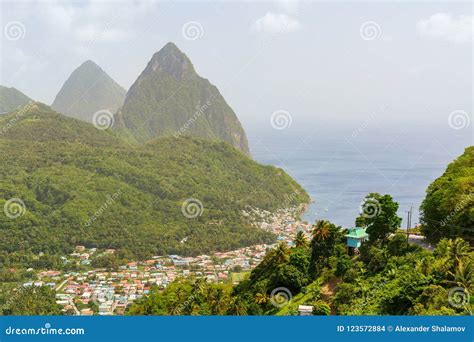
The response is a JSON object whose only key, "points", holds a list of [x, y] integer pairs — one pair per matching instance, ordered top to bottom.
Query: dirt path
{"points": [[327, 292]]}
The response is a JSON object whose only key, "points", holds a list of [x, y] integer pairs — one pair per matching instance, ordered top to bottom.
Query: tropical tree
{"points": [[447, 210], [379, 215], [321, 230], [301, 240], [325, 243], [458, 249], [281, 253], [299, 258], [464, 275], [290, 277], [261, 298], [32, 300], [238, 307], [321, 308]]}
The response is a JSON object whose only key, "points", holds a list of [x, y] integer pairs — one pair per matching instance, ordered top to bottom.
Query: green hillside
{"points": [[11, 99], [170, 99], [41, 124], [81, 185], [448, 209]]}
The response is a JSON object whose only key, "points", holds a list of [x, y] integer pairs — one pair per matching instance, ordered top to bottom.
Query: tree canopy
{"points": [[448, 208]]}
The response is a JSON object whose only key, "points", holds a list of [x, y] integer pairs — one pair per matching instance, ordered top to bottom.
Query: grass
{"points": [[237, 277], [311, 293]]}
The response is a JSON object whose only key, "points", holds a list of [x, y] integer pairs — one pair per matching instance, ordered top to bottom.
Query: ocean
{"points": [[339, 167]]}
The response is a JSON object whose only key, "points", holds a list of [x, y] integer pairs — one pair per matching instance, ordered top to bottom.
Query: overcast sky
{"points": [[337, 62]]}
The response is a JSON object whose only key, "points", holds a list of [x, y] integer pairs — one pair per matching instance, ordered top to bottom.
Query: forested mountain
{"points": [[88, 90], [170, 98], [11, 99], [39, 123], [81, 185], [448, 209]]}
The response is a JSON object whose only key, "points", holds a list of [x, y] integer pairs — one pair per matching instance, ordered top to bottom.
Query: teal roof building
{"points": [[356, 236]]}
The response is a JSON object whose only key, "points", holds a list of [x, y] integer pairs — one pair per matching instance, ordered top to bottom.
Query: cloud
{"points": [[289, 6], [277, 23], [445, 26], [99, 33]]}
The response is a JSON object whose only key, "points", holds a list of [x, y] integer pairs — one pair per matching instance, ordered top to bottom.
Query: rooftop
{"points": [[357, 233]]}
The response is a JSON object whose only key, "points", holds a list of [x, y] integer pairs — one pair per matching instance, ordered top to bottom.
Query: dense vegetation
{"points": [[88, 90], [170, 98], [11, 99], [84, 186], [448, 209], [388, 276], [401, 279], [188, 297], [28, 301]]}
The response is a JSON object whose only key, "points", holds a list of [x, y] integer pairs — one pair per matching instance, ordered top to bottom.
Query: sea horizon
{"points": [[340, 166]]}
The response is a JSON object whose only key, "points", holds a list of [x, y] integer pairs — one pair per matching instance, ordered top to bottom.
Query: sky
{"points": [[327, 62]]}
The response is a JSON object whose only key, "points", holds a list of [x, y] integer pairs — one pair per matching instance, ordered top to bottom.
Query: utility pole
{"points": [[411, 213], [409, 222]]}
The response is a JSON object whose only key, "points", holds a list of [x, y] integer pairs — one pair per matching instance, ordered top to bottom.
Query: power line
{"points": [[446, 224]]}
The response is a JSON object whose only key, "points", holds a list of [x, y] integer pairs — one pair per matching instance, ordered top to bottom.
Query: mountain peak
{"points": [[170, 46], [170, 60], [89, 64], [87, 90], [170, 99]]}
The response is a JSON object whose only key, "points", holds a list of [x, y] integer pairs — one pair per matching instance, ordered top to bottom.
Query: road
{"points": [[420, 241], [60, 286]]}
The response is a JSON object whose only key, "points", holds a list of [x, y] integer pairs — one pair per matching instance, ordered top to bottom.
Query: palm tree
{"points": [[321, 230], [300, 239], [458, 249], [281, 253], [424, 266], [464, 275], [199, 286], [181, 294], [261, 298], [220, 302], [238, 307], [321, 308], [176, 310]]}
